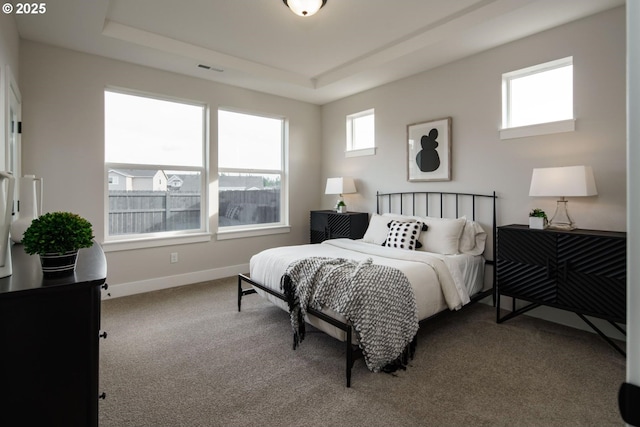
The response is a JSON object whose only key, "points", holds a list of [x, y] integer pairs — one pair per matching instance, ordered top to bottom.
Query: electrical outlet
{"points": [[174, 257]]}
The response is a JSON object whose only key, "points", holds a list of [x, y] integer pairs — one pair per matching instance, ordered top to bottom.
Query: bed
{"points": [[445, 266]]}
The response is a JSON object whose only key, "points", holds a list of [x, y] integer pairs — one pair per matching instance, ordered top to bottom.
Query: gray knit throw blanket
{"points": [[376, 299]]}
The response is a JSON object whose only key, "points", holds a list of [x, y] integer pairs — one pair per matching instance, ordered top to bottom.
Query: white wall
{"points": [[9, 43], [9, 60], [469, 91], [63, 137], [63, 142], [633, 178]]}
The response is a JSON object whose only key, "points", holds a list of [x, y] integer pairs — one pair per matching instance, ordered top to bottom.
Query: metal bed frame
{"points": [[446, 201]]}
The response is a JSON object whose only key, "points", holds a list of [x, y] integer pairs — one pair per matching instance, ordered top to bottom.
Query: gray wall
{"points": [[469, 91], [63, 137], [63, 142]]}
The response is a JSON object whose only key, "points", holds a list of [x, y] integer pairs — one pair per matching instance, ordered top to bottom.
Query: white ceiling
{"points": [[347, 47]]}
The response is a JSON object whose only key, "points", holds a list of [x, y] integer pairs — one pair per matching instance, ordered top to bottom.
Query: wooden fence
{"points": [[242, 207], [139, 212]]}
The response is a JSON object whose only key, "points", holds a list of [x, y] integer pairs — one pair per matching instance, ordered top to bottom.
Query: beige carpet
{"points": [[187, 357]]}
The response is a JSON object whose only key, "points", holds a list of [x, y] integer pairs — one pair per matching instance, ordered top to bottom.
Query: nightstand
{"points": [[332, 225], [583, 271]]}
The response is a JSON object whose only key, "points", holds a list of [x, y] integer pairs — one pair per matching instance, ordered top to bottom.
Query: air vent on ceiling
{"points": [[209, 67]]}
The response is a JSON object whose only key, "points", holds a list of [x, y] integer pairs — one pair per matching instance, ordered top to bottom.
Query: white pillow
{"points": [[400, 217], [378, 227], [403, 235], [442, 235], [473, 238]]}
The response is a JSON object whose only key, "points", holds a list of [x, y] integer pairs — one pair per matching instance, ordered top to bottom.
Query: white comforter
{"points": [[437, 280]]}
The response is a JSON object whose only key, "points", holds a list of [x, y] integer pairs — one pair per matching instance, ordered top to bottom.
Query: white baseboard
{"points": [[132, 288]]}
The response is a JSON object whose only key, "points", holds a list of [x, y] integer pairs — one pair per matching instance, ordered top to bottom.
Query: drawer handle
{"points": [[105, 287], [103, 335]]}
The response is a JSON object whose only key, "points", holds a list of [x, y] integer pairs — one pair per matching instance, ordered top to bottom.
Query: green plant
{"points": [[340, 203], [539, 213], [57, 232]]}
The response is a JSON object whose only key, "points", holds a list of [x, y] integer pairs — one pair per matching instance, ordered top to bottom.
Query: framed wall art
{"points": [[429, 150]]}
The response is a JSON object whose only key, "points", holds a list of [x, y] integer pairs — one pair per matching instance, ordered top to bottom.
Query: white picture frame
{"points": [[429, 150]]}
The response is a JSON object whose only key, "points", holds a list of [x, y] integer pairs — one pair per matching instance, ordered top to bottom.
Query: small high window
{"points": [[539, 98], [361, 135]]}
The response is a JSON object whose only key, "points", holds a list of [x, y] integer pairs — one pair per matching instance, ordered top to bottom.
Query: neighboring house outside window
{"points": [[155, 167], [137, 180], [174, 183], [252, 190]]}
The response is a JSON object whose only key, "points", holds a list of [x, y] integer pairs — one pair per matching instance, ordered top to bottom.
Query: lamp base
{"points": [[340, 207], [561, 219], [564, 227]]}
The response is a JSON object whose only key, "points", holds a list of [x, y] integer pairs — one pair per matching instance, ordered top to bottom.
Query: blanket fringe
{"points": [[378, 301], [402, 361]]}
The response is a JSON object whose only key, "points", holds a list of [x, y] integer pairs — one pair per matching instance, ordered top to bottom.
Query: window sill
{"points": [[538, 129], [361, 152], [252, 232], [153, 242]]}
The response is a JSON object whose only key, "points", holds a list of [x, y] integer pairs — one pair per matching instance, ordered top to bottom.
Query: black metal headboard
{"points": [[477, 207]]}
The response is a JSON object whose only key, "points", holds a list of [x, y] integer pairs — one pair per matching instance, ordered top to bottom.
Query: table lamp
{"points": [[566, 181], [340, 186]]}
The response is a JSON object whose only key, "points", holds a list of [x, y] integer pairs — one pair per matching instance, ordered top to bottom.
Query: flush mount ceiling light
{"points": [[305, 7]]}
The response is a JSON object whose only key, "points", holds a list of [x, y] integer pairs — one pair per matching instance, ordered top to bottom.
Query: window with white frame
{"points": [[538, 99], [361, 135], [155, 166], [251, 171]]}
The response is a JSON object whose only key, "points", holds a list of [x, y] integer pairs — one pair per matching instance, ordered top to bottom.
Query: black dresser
{"points": [[332, 225], [583, 271], [49, 342]]}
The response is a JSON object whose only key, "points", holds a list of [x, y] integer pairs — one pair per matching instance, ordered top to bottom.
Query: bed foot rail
{"points": [[243, 292], [353, 352], [349, 357]]}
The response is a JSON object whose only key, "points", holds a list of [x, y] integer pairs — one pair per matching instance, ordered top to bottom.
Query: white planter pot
{"points": [[537, 223]]}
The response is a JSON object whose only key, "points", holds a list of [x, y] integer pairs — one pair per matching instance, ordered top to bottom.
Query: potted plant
{"points": [[341, 207], [537, 219], [56, 237]]}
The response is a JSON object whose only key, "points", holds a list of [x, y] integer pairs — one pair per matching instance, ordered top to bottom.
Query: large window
{"points": [[541, 95], [361, 135], [155, 166], [251, 171]]}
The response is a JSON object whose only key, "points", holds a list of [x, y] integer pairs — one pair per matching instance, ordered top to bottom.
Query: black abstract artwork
{"points": [[429, 150], [428, 159]]}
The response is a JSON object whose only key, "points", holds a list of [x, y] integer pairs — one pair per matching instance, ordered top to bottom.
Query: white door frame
{"points": [[633, 208]]}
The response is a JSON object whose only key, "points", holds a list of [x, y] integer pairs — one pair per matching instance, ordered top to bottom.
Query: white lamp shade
{"points": [[304, 7], [566, 181], [340, 186]]}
